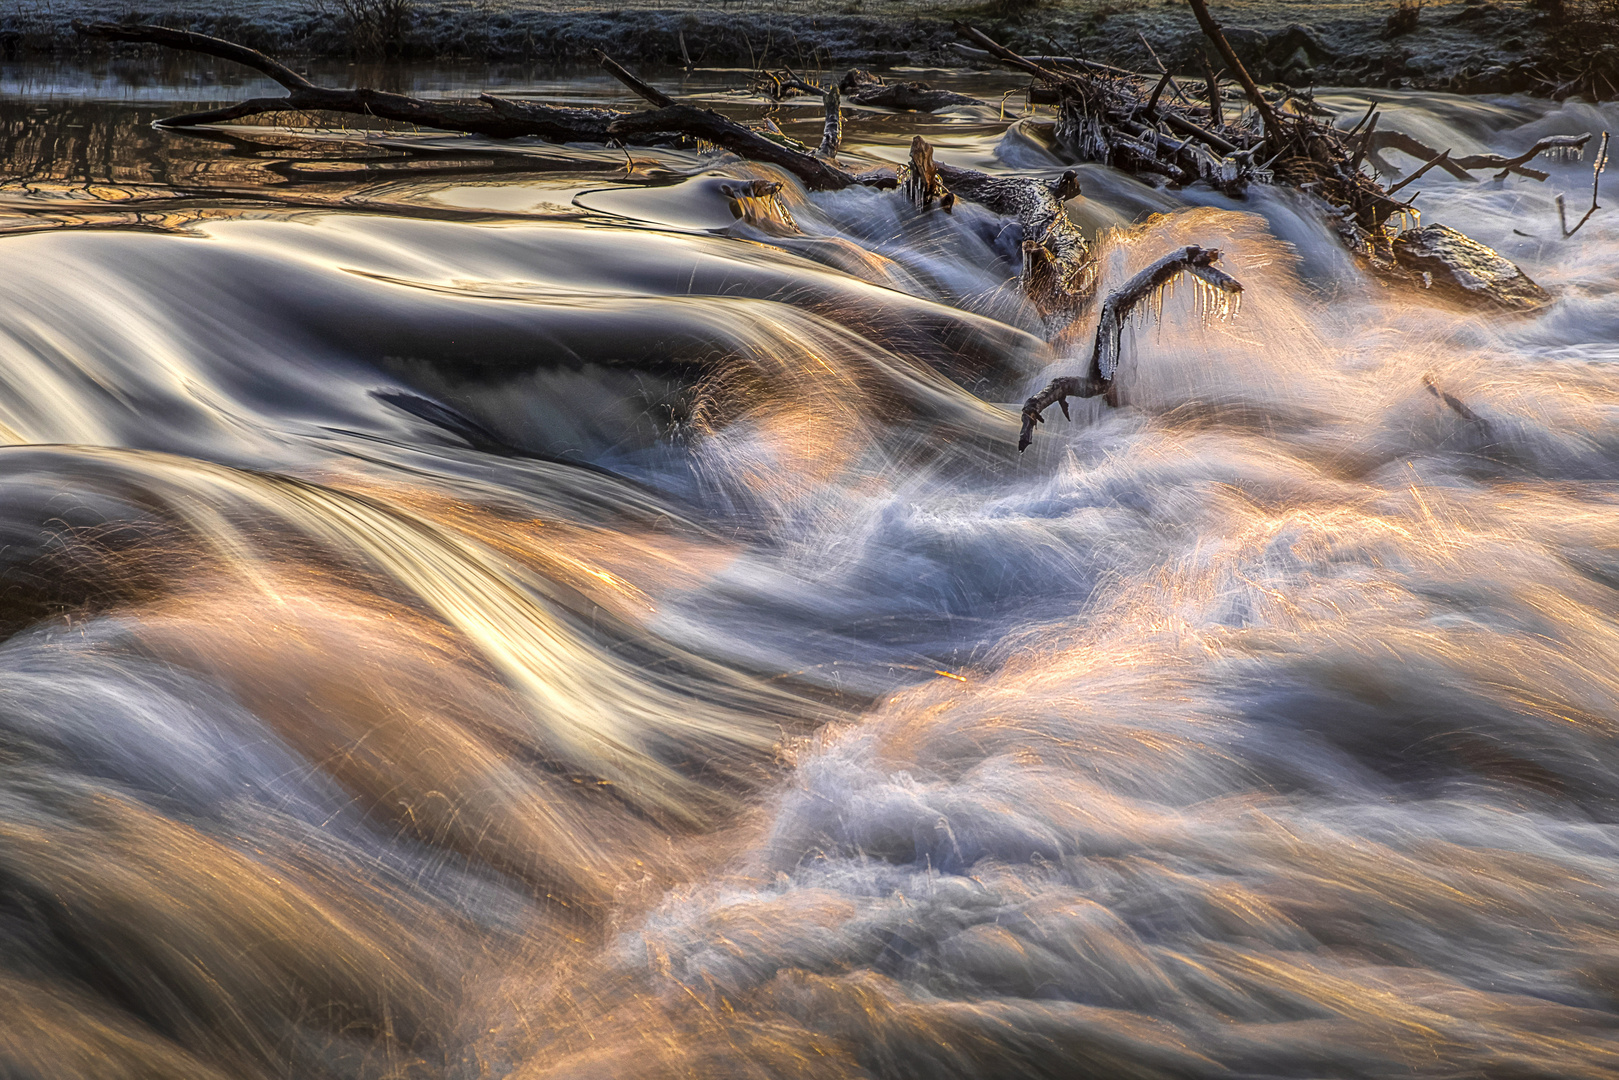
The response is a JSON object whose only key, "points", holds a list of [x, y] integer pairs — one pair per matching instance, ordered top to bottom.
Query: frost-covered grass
{"points": [[810, 33]]}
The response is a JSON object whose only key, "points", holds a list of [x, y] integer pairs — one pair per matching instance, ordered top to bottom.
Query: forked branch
{"points": [[488, 115], [1596, 176], [1219, 293]]}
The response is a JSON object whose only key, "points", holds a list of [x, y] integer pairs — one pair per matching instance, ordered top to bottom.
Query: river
{"points": [[481, 610]]}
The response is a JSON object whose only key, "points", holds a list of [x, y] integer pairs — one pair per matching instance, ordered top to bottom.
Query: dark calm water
{"points": [[481, 610]]}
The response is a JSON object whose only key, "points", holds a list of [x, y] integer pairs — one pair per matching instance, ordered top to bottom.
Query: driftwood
{"points": [[489, 115], [1107, 115], [1462, 168], [815, 173], [1220, 295]]}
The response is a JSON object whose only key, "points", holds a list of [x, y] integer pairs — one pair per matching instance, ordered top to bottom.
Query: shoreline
{"points": [[1472, 46]]}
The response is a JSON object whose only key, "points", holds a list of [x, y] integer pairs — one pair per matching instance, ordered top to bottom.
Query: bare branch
{"points": [[1211, 29], [197, 43], [657, 98], [1551, 144], [1443, 157], [815, 174], [1596, 175], [1221, 293]]}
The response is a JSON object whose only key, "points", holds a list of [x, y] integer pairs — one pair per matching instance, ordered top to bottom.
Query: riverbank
{"points": [[1468, 45]]}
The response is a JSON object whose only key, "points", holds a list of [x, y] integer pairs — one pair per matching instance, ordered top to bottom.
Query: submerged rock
{"points": [[1461, 268]]}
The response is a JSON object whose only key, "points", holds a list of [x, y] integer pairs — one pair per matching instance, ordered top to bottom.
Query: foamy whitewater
{"points": [[469, 613]]}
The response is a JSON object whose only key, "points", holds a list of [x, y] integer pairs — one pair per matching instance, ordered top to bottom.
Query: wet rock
{"points": [[858, 79], [864, 88], [910, 96], [1461, 268]]}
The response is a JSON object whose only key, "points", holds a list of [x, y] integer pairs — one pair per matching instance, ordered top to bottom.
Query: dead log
{"points": [[488, 115], [474, 117], [1102, 118], [815, 173], [1218, 292]]}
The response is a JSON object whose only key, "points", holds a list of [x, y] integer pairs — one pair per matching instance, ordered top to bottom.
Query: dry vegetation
{"points": [[376, 28], [1583, 46]]}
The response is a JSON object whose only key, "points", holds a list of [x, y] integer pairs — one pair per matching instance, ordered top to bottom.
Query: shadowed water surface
{"points": [[482, 609]]}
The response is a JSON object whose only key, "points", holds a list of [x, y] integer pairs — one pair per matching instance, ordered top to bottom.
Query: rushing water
{"points": [[471, 611]]}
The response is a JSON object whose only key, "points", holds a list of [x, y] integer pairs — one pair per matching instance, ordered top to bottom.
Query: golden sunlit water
{"points": [[479, 610]]}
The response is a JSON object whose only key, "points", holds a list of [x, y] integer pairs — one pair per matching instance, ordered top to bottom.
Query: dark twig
{"points": [[657, 98], [1370, 109], [1365, 142], [1439, 160], [1596, 175]]}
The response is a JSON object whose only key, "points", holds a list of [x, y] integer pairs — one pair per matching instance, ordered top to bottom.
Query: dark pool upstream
{"points": [[473, 611]]}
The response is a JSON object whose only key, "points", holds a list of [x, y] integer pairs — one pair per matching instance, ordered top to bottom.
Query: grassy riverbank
{"points": [[1461, 44]]}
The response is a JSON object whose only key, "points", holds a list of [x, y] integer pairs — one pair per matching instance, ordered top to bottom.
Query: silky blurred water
{"points": [[486, 610]]}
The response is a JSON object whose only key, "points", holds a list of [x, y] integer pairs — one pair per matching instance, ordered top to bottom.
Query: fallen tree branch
{"points": [[187, 41], [655, 97], [488, 115], [474, 117], [554, 124], [1274, 132], [1551, 144], [1442, 157], [1461, 167], [814, 173], [1596, 175], [1058, 273], [1218, 291]]}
